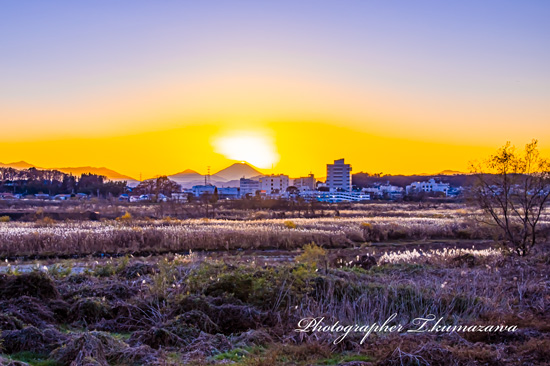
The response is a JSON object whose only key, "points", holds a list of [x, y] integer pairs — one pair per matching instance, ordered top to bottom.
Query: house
{"points": [[429, 186], [384, 191], [180, 196], [124, 197], [143, 197], [134, 199]]}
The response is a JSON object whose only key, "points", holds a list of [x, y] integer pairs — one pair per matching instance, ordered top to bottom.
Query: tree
{"points": [[90, 183], [157, 186], [513, 190], [215, 197]]}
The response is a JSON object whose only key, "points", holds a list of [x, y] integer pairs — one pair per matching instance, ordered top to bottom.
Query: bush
{"points": [[126, 217], [4, 219], [46, 221], [289, 224], [313, 255], [35, 284], [89, 310], [32, 339]]}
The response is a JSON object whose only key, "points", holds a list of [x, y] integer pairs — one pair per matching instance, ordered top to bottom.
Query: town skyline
{"points": [[116, 175]]}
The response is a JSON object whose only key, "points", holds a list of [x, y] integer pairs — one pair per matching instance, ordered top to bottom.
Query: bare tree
{"points": [[157, 186], [513, 190]]}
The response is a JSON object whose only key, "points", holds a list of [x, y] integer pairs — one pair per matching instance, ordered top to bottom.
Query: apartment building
{"points": [[339, 176]]}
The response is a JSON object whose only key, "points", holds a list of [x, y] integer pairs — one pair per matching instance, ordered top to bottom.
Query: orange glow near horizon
{"points": [[398, 88], [302, 124], [303, 148]]}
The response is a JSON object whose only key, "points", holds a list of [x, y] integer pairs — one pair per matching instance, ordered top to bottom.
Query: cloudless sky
{"points": [[393, 86]]}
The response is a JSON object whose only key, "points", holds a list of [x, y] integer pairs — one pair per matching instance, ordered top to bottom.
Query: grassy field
{"points": [[353, 226], [240, 302], [194, 310]]}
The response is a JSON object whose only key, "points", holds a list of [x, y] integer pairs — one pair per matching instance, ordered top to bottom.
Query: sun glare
{"points": [[255, 148]]}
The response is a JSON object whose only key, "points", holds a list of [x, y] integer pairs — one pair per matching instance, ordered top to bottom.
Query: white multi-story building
{"points": [[339, 176], [305, 183], [274, 184], [249, 186], [429, 186], [384, 190]]}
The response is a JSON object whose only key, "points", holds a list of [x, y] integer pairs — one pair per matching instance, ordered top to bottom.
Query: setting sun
{"points": [[256, 148]]}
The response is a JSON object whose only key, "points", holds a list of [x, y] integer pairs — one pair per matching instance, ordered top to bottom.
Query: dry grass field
{"points": [[352, 226], [116, 292]]}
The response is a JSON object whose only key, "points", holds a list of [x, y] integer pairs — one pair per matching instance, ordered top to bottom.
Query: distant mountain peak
{"points": [[17, 165], [239, 170], [188, 171], [450, 172], [109, 173]]}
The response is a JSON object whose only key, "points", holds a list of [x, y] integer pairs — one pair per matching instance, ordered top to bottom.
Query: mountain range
{"points": [[110, 174], [226, 177]]}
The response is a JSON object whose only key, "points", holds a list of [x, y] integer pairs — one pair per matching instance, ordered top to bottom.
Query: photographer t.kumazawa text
{"points": [[428, 324]]}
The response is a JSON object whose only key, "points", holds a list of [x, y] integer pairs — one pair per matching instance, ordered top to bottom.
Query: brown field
{"points": [[238, 290]]}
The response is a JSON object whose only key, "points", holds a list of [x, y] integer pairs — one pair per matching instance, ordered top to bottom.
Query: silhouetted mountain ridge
{"points": [[238, 171], [109, 173]]}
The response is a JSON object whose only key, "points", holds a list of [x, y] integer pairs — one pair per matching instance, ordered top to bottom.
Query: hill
{"points": [[17, 165], [237, 171], [451, 172], [110, 174], [189, 178], [364, 179]]}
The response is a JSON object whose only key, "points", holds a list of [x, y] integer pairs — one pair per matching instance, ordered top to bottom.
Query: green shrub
{"points": [[313, 255], [106, 270]]}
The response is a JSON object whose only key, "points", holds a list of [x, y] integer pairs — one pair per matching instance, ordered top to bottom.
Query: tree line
{"points": [[52, 182]]}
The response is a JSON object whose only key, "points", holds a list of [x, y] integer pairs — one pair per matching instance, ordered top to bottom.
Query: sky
{"points": [[148, 88]]}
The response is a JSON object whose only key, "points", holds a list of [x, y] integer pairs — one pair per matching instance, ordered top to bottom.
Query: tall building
{"points": [[339, 176], [275, 184]]}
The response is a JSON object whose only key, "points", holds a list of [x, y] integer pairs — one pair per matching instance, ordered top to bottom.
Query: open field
{"points": [[354, 226], [84, 238], [116, 292]]}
